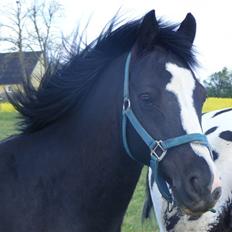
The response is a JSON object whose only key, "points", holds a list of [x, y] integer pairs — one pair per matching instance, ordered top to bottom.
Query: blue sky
{"points": [[214, 19]]}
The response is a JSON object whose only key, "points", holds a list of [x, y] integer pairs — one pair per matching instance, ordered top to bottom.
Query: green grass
{"points": [[7, 124], [132, 221]]}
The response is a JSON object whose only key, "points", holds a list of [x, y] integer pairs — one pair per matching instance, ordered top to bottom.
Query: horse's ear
{"points": [[188, 28], [147, 32]]}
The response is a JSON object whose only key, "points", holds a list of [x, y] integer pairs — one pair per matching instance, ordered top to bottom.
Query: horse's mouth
{"points": [[193, 210], [185, 211], [190, 213], [193, 218]]}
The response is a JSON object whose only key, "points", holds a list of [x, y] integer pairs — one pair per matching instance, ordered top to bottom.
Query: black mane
{"points": [[70, 83]]}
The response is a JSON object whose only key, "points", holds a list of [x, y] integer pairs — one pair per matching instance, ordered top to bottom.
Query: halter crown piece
{"points": [[158, 149]]}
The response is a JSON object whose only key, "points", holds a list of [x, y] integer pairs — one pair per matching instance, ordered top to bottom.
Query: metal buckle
{"points": [[126, 104], [154, 151]]}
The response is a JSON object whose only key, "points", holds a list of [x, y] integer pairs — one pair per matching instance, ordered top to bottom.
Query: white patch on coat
{"points": [[183, 84], [222, 147], [223, 164], [157, 201]]}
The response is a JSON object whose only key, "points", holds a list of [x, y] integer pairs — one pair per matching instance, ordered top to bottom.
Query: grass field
{"points": [[7, 124], [132, 222]]}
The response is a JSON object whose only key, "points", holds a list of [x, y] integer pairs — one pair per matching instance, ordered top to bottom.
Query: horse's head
{"points": [[166, 99]]}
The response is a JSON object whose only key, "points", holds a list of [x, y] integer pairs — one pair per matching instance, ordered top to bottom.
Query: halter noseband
{"points": [[158, 149]]}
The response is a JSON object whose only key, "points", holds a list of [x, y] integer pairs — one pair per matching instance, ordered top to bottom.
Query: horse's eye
{"points": [[146, 99]]}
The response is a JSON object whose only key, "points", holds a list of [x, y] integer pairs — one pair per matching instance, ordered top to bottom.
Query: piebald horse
{"points": [[218, 128]]}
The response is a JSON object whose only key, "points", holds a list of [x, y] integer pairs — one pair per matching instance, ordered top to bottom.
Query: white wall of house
{"points": [[38, 72]]}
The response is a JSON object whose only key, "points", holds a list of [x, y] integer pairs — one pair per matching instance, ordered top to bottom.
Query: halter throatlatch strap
{"points": [[158, 148]]}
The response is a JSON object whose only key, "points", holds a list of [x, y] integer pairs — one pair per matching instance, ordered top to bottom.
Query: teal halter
{"points": [[158, 149]]}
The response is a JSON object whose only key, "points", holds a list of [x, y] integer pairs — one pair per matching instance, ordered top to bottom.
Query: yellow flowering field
{"points": [[211, 103], [214, 103], [6, 107]]}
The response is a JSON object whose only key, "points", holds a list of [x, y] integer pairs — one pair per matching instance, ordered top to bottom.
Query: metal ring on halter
{"points": [[126, 104], [155, 153]]}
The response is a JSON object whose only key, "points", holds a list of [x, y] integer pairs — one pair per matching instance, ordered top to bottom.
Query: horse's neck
{"points": [[83, 151], [111, 174]]}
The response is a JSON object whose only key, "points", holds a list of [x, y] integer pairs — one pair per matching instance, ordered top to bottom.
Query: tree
{"points": [[43, 17], [31, 26], [14, 32], [220, 84]]}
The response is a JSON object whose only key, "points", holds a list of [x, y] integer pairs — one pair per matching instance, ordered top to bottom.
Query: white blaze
{"points": [[182, 84]]}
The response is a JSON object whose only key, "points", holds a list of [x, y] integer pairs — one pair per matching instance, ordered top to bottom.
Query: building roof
{"points": [[10, 68]]}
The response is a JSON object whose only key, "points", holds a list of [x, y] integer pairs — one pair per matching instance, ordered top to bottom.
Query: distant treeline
{"points": [[219, 84]]}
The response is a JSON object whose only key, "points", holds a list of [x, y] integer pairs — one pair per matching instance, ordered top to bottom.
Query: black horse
{"points": [[68, 170]]}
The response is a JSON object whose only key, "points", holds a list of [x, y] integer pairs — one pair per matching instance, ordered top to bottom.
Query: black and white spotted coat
{"points": [[218, 127]]}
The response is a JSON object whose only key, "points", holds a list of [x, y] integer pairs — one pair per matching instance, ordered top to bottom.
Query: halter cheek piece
{"points": [[158, 149]]}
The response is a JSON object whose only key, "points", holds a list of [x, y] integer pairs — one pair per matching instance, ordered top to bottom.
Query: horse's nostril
{"points": [[195, 183], [217, 193]]}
